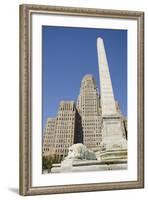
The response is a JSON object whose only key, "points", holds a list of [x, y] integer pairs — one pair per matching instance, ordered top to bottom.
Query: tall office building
{"points": [[88, 105], [65, 128], [66, 131], [49, 137]]}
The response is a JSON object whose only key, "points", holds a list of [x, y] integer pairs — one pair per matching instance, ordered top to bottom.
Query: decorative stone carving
{"points": [[80, 152]]}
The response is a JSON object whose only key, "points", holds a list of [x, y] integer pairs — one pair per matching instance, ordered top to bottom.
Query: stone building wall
{"points": [[88, 107]]}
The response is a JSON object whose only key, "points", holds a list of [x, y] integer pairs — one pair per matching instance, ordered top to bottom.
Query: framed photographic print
{"points": [[81, 99]]}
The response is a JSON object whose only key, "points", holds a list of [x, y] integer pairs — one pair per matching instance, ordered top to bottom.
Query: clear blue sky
{"points": [[70, 53]]}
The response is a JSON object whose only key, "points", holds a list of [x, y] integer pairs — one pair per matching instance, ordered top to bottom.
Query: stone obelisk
{"points": [[107, 96], [112, 127]]}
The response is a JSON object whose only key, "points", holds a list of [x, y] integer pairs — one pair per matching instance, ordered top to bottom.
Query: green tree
{"points": [[46, 163]]}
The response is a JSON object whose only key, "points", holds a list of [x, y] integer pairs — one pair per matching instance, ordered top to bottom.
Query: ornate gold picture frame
{"points": [[27, 165]]}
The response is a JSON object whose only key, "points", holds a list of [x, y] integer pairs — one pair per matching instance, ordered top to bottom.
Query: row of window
{"points": [[69, 113], [65, 117], [94, 120], [91, 124], [59, 126], [92, 128], [64, 132], [91, 134], [47, 136], [64, 136], [62, 140], [48, 141], [88, 144], [48, 145], [63, 145], [46, 149], [61, 151]]}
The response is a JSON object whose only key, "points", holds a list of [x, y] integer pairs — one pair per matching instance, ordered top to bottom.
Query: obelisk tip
{"points": [[99, 39]]}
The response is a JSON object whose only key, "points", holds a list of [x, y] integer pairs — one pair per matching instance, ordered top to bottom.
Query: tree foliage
{"points": [[47, 161]]}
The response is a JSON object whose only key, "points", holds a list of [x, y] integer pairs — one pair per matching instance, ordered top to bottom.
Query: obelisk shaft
{"points": [[107, 96], [112, 127]]}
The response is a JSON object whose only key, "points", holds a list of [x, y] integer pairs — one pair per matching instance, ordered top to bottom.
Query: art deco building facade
{"points": [[88, 105], [66, 130], [49, 137]]}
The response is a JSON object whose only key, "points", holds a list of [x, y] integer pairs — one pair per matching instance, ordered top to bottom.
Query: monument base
{"points": [[114, 154], [91, 165]]}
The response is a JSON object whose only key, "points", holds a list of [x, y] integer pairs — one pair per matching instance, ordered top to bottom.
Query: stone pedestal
{"points": [[112, 134], [114, 145], [91, 165]]}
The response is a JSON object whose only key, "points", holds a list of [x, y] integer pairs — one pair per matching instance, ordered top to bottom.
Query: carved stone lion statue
{"points": [[80, 151]]}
